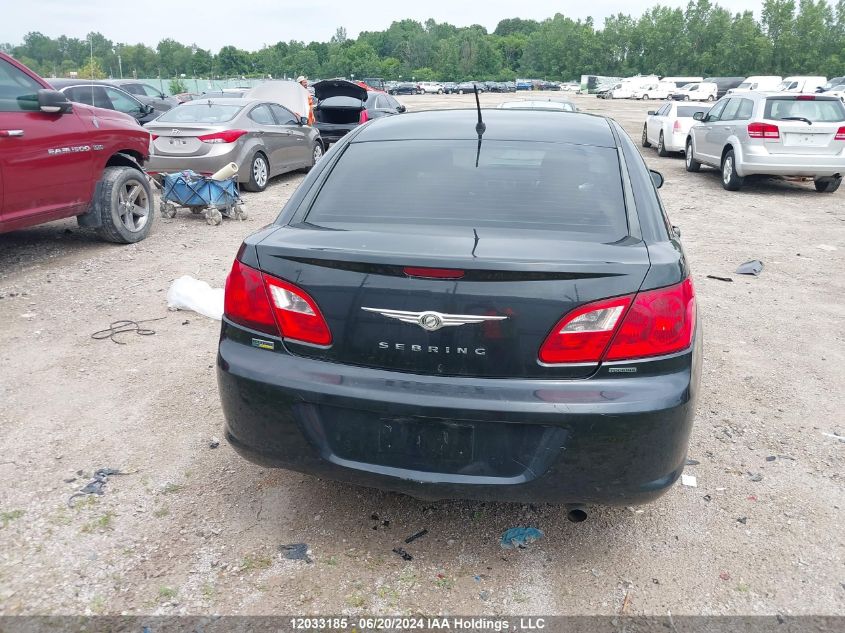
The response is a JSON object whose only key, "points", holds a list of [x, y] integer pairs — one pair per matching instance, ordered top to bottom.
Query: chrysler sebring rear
{"points": [[521, 327]]}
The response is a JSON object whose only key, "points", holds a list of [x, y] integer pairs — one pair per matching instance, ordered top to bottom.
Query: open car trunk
{"points": [[340, 111]]}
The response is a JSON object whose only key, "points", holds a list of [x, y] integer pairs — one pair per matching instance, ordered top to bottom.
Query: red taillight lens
{"points": [[805, 98], [364, 117], [676, 127], [763, 130], [840, 134], [154, 136], [229, 136], [433, 273], [246, 302], [267, 304], [297, 314], [659, 322], [652, 323], [583, 334]]}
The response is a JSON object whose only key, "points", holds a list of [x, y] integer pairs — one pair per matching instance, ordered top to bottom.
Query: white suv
{"points": [[431, 87], [772, 134]]}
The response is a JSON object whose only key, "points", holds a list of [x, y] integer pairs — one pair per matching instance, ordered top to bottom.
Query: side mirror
{"points": [[53, 102], [400, 109], [652, 112], [698, 116], [303, 120], [656, 178]]}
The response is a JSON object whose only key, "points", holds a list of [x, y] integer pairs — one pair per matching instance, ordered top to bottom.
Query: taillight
{"points": [[364, 117], [677, 126], [763, 130], [840, 134], [154, 136], [228, 136], [245, 300], [262, 302], [297, 314], [659, 322], [652, 323], [583, 334]]}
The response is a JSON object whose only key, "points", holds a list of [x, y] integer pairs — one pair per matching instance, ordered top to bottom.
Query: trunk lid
{"points": [[339, 88], [807, 125], [181, 140], [517, 285]]}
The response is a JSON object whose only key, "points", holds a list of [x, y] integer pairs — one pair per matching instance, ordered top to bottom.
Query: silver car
{"points": [[773, 134], [263, 139]]}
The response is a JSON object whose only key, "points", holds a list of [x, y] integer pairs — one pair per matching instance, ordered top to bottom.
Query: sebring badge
{"points": [[433, 321]]}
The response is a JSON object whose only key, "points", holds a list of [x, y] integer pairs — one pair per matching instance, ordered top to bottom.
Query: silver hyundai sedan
{"points": [[772, 134], [264, 139]]}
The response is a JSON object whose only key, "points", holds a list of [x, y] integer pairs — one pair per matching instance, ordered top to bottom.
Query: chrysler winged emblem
{"points": [[174, 132], [432, 321]]}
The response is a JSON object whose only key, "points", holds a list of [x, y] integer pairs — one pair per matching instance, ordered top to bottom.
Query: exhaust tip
{"points": [[577, 515]]}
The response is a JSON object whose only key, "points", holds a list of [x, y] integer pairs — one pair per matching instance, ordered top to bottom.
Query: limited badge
{"points": [[262, 344]]}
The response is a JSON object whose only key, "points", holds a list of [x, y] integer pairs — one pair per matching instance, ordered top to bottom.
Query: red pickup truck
{"points": [[60, 159]]}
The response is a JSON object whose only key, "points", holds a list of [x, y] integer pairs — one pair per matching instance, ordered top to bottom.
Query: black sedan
{"points": [[406, 88], [104, 95], [521, 327]]}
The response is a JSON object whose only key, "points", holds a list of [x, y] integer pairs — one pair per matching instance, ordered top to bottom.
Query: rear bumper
{"points": [[205, 165], [808, 166], [607, 439]]}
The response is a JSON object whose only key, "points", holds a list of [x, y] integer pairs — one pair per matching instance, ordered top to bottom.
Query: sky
{"points": [[251, 24]]}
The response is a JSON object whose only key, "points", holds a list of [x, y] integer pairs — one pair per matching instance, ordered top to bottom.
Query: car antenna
{"points": [[480, 127]]}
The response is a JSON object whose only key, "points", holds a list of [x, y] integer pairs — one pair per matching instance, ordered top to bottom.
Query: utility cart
{"points": [[215, 199]]}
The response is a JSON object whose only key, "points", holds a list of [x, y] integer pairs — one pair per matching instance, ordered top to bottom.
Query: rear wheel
{"points": [[645, 97], [686, 97], [710, 98], [645, 136], [661, 147], [316, 155], [691, 164], [259, 173], [731, 180], [827, 185], [124, 201]]}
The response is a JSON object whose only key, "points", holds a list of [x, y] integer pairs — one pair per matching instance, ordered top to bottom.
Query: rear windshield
{"points": [[816, 110], [688, 111], [199, 112], [516, 185]]}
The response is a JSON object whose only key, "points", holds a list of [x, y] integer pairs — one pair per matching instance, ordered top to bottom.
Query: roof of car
{"points": [[203, 100], [524, 125]]}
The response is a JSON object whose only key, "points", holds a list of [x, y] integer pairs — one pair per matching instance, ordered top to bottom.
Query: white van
{"points": [[682, 81], [763, 83], [801, 84], [625, 88], [658, 90], [699, 91]]}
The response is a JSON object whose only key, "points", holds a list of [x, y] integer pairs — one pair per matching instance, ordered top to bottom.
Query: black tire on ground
{"points": [[645, 97], [686, 97], [710, 98], [645, 136], [661, 146], [316, 155], [692, 165], [255, 172], [730, 179], [827, 185], [123, 200]]}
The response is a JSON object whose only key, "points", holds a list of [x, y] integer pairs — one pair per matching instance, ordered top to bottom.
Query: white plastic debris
{"points": [[826, 247], [187, 293], [689, 480]]}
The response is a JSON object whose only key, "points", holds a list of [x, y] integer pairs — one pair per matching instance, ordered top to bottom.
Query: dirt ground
{"points": [[196, 530]]}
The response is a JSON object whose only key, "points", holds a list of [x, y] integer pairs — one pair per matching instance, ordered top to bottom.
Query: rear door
{"points": [[808, 124], [275, 139], [297, 148], [46, 160], [464, 277]]}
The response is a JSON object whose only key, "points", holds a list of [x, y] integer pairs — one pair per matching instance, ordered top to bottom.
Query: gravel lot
{"points": [[195, 530]]}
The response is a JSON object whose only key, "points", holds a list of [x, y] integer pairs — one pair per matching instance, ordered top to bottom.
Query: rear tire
{"points": [[645, 97], [686, 97], [710, 98], [645, 142], [661, 147], [316, 155], [692, 165], [259, 173], [730, 179], [827, 185], [123, 200]]}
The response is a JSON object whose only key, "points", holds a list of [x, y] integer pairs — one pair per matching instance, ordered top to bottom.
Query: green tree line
{"points": [[807, 37]]}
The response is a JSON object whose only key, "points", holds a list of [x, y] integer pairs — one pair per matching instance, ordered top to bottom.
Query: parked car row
{"points": [[713, 88], [752, 133]]}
